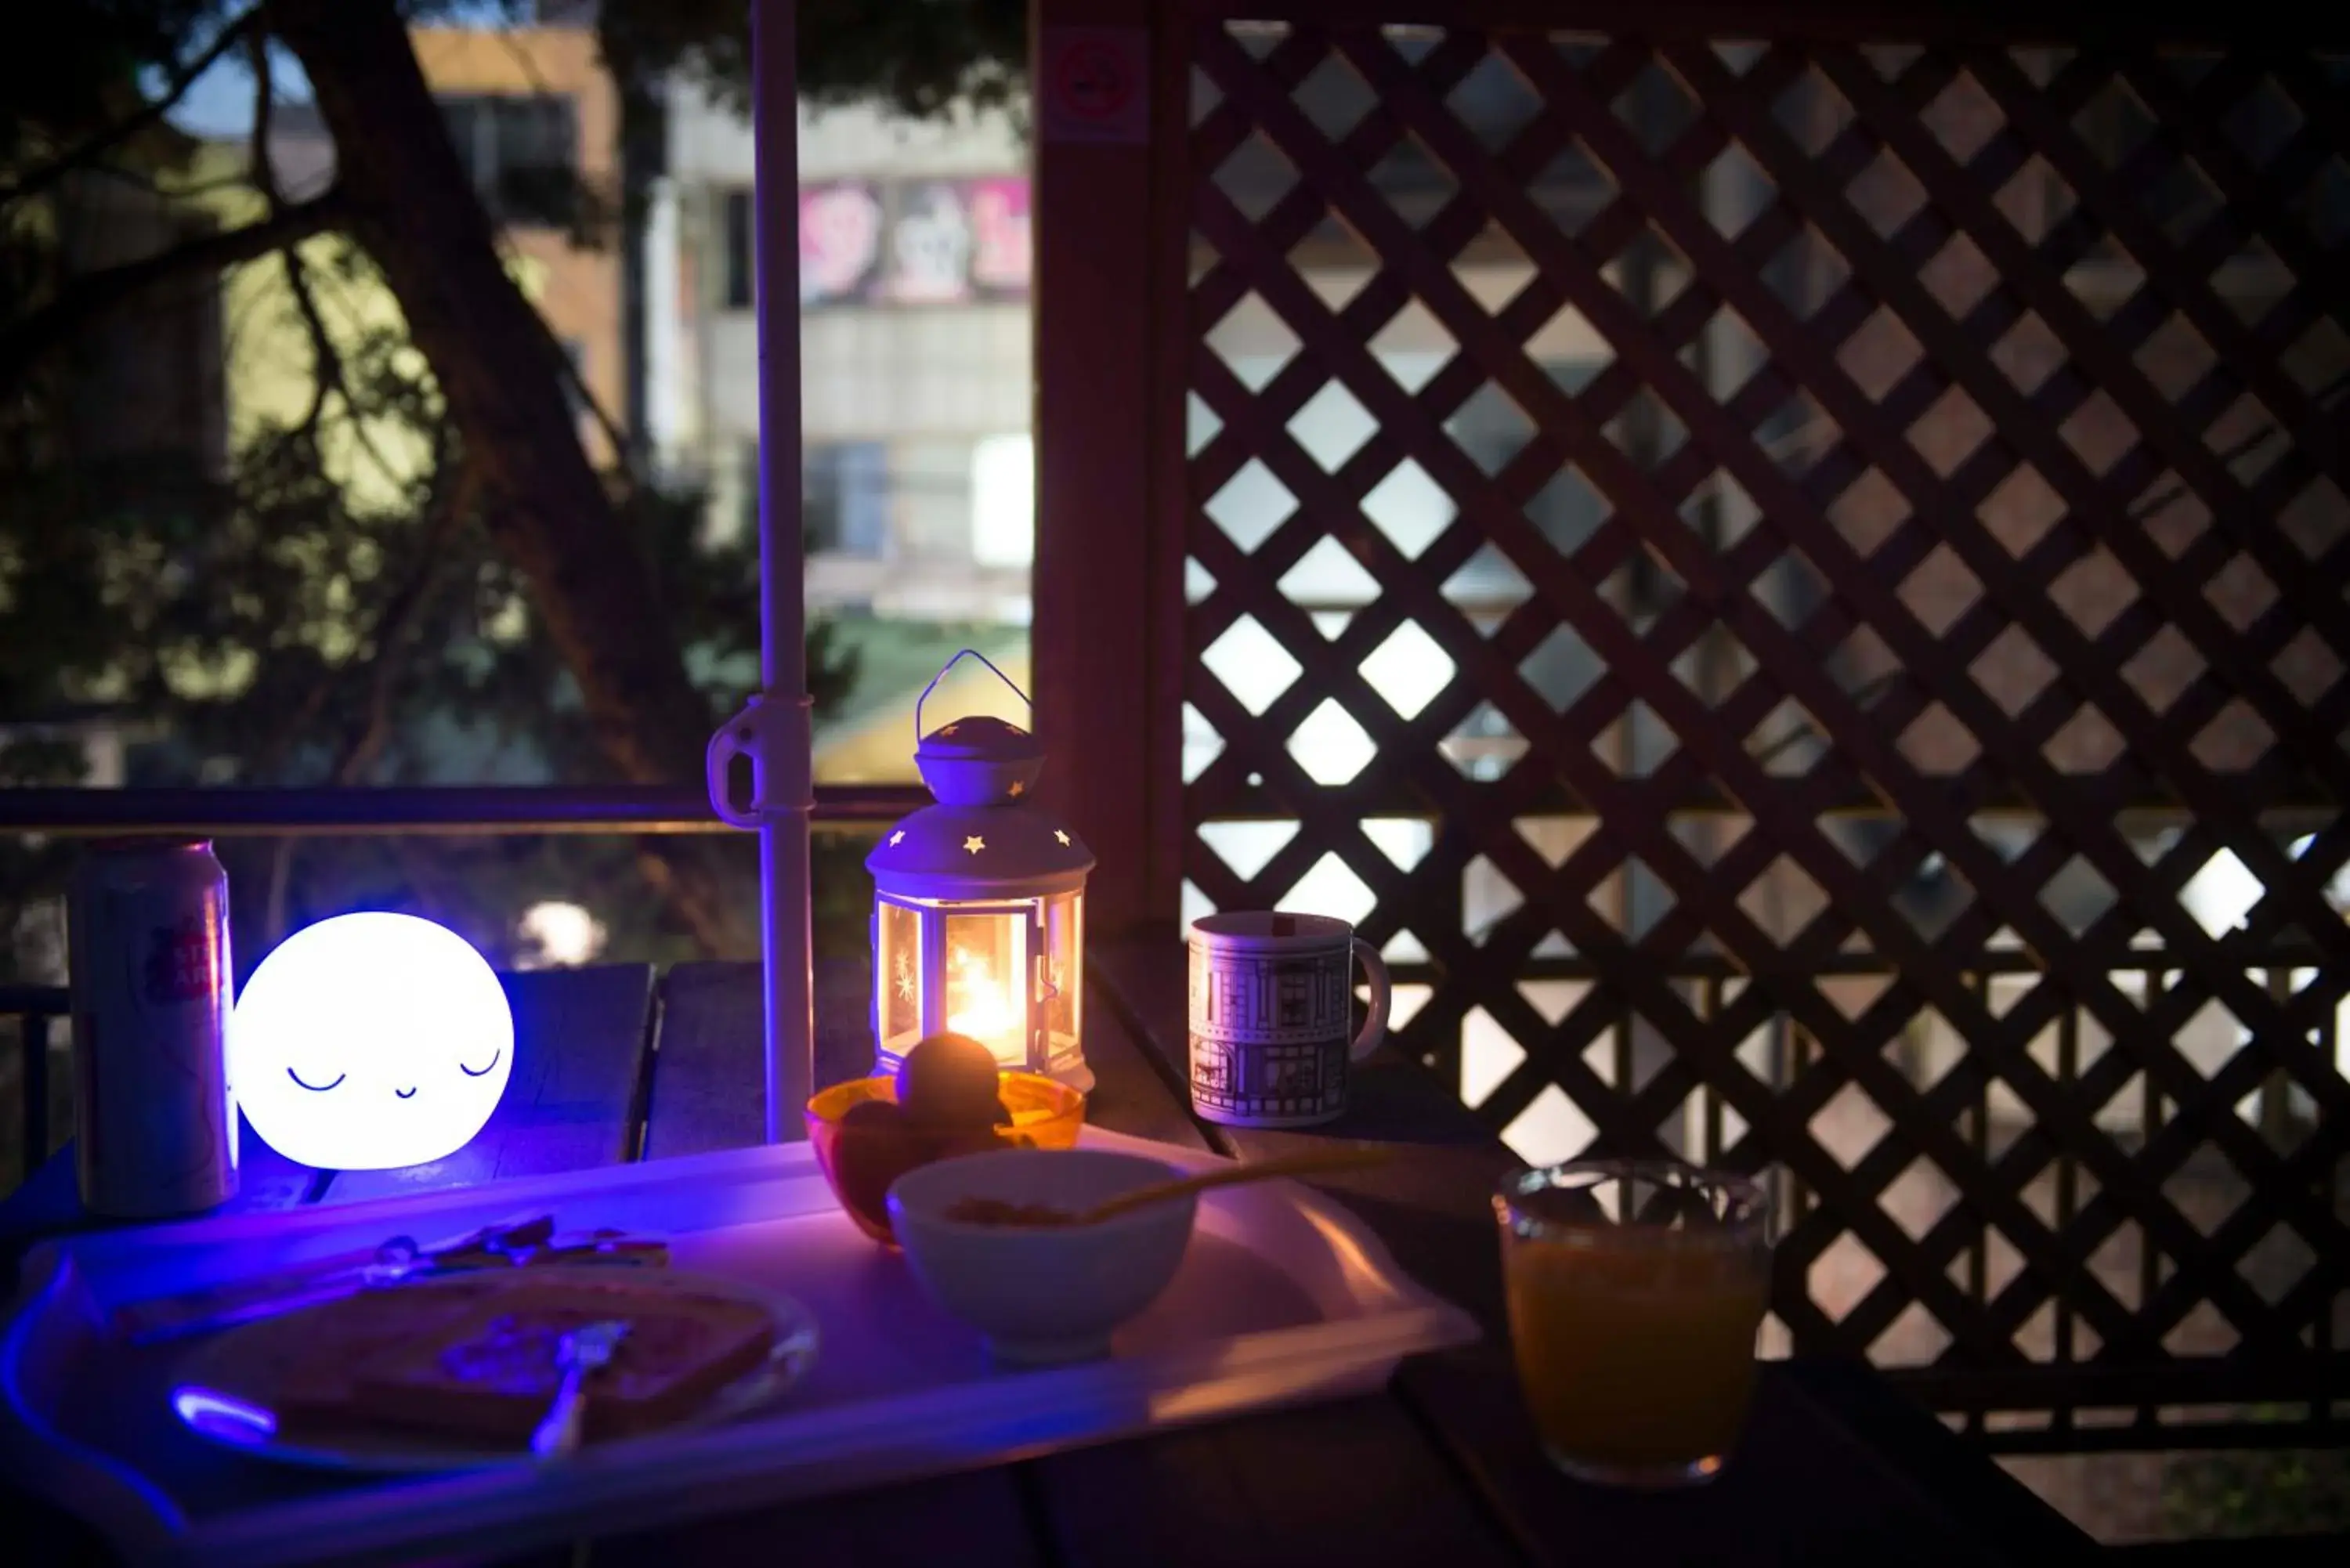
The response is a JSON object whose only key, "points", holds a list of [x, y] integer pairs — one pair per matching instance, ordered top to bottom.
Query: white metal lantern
{"points": [[979, 905]]}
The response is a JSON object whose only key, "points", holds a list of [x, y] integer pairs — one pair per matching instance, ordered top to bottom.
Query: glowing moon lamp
{"points": [[371, 1041]]}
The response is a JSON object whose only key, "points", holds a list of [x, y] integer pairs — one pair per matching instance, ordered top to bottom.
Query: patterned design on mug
{"points": [[1283, 996], [1270, 1032], [1271, 1082]]}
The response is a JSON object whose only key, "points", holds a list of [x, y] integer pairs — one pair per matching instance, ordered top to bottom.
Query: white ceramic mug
{"points": [[1272, 1024]]}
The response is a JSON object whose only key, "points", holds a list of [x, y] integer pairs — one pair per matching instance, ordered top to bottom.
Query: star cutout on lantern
{"points": [[948, 730], [1018, 789], [1062, 836], [897, 839], [974, 844]]}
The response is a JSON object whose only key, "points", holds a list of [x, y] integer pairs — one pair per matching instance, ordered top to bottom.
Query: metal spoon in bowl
{"points": [[581, 1352]]}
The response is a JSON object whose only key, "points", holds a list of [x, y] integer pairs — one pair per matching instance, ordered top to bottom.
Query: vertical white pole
{"points": [[665, 372], [787, 789]]}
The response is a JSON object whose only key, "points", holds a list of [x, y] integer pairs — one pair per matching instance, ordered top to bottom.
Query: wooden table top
{"points": [[611, 1066]]}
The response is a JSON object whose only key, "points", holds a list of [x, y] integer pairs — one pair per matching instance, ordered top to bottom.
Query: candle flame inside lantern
{"points": [[981, 1005]]}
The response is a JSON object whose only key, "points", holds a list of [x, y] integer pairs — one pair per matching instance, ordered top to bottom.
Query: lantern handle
{"points": [[941, 675]]}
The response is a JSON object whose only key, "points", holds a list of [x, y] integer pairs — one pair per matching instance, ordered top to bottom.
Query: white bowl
{"points": [[1045, 1295]]}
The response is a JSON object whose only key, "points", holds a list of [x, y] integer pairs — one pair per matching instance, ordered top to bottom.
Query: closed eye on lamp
{"points": [[353, 1045]]}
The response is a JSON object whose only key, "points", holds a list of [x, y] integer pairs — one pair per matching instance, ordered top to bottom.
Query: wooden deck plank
{"points": [[580, 1036], [708, 1084], [1130, 1093], [1353, 1482], [1356, 1482], [1807, 1483], [1903, 1489], [1980, 1498], [975, 1520]]}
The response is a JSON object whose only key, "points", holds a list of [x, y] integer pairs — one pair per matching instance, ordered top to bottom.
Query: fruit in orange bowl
{"points": [[866, 1137]]}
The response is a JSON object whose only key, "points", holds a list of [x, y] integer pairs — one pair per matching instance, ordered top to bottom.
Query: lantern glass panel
{"points": [[898, 967], [1064, 974], [988, 980]]}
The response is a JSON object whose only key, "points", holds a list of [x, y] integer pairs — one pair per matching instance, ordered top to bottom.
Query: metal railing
{"points": [[440, 809], [437, 811]]}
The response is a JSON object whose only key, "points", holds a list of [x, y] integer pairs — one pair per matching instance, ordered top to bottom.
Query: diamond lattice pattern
{"points": [[1798, 591]]}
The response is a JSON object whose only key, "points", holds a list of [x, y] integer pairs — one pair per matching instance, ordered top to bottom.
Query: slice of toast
{"points": [[300, 1365], [492, 1373]]}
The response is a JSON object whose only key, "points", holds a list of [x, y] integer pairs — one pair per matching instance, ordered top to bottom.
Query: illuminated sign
{"points": [[924, 241]]}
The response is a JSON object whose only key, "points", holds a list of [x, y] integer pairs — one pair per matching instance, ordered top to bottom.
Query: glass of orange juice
{"points": [[1636, 1289]]}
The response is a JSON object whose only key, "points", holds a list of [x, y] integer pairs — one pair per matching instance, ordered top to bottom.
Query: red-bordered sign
{"points": [[1093, 80], [1095, 85]]}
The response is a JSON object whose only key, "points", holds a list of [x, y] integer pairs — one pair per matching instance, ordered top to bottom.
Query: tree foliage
{"points": [[921, 58], [270, 622]]}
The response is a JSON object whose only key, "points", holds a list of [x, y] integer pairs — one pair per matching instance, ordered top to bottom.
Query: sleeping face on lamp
{"points": [[371, 1041]]}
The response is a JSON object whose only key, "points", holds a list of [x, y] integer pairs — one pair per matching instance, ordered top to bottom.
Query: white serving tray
{"points": [[1285, 1297]]}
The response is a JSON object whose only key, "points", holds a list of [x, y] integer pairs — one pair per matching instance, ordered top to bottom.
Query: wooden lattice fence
{"points": [[1763, 571]]}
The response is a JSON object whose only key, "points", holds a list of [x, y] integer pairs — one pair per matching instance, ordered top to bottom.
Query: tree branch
{"points": [[174, 89], [92, 295], [327, 363], [597, 412], [621, 458], [550, 519], [394, 638], [388, 639]]}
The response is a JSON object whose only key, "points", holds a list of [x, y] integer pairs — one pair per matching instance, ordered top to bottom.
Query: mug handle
{"points": [[1374, 1022]]}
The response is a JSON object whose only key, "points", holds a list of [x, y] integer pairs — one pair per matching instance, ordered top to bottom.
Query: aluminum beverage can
{"points": [[154, 1113]]}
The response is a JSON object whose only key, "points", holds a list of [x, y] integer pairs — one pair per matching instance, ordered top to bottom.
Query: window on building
{"points": [[521, 151], [736, 252], [844, 497], [1003, 500]]}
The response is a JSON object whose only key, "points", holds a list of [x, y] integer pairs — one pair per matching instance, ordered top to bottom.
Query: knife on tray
{"points": [[525, 1243]]}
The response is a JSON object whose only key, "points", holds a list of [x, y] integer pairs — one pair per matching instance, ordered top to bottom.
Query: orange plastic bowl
{"points": [[860, 1162]]}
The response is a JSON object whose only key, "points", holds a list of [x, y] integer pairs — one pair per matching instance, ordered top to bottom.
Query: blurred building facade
{"points": [[535, 120], [915, 335], [914, 342]]}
